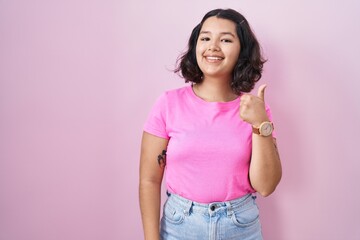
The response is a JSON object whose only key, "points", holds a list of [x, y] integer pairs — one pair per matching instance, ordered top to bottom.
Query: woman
{"points": [[216, 140]]}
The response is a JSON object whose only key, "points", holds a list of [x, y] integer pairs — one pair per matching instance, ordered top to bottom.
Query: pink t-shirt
{"points": [[209, 149]]}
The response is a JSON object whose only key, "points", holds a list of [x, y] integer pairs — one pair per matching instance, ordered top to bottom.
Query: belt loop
{"points": [[187, 207], [229, 209]]}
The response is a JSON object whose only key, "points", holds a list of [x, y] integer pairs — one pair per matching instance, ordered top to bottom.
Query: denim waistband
{"points": [[208, 208]]}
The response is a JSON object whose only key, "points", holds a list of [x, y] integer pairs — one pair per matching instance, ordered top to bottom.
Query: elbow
{"points": [[150, 183], [266, 192]]}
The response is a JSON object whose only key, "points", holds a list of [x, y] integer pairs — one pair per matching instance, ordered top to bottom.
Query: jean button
{"points": [[212, 208]]}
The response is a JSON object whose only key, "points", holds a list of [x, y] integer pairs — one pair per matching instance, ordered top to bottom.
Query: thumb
{"points": [[261, 92]]}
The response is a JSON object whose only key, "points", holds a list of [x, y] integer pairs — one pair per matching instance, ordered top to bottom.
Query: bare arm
{"points": [[265, 167], [151, 175]]}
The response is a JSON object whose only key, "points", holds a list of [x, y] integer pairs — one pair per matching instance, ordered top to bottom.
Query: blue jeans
{"points": [[184, 219]]}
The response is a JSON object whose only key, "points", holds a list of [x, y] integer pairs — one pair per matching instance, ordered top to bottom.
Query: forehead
{"points": [[215, 25]]}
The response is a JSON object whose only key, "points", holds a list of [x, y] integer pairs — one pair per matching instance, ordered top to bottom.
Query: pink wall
{"points": [[77, 79]]}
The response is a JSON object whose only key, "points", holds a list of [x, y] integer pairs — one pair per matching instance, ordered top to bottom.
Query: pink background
{"points": [[77, 79]]}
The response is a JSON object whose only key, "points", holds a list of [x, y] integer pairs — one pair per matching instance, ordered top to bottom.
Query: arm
{"points": [[265, 167], [151, 175]]}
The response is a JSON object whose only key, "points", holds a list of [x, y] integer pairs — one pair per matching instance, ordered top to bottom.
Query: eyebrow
{"points": [[222, 33]]}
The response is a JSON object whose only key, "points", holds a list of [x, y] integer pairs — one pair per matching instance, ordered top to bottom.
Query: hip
{"points": [[186, 219]]}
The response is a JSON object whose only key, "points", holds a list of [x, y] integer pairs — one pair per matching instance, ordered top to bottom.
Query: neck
{"points": [[214, 91]]}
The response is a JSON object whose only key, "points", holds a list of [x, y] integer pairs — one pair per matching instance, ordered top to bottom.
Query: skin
{"points": [[217, 39], [217, 51], [265, 167], [151, 175]]}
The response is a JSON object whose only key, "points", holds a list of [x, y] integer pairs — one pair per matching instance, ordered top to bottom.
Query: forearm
{"points": [[265, 167], [149, 193]]}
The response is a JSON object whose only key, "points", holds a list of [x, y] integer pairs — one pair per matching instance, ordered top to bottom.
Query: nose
{"points": [[213, 46]]}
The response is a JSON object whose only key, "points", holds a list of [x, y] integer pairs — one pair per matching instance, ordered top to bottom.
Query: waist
{"points": [[205, 208]]}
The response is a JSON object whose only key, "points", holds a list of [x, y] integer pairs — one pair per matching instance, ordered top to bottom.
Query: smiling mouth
{"points": [[213, 58]]}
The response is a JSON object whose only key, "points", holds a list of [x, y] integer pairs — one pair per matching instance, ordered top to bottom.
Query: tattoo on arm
{"points": [[162, 159]]}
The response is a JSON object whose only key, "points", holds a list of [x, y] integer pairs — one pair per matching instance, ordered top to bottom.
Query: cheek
{"points": [[199, 49], [199, 52], [234, 55], [198, 56]]}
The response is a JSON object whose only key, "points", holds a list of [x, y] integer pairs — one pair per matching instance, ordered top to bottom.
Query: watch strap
{"points": [[256, 130]]}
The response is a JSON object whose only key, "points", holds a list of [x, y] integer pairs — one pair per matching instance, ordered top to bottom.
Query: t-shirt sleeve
{"points": [[268, 112], [156, 121]]}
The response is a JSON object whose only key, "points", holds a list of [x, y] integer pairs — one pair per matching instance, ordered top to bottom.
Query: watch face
{"points": [[266, 129]]}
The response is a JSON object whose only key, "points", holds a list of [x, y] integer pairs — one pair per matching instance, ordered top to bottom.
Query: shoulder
{"points": [[174, 94], [171, 97]]}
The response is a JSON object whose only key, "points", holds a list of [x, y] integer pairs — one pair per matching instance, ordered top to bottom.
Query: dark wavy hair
{"points": [[248, 68]]}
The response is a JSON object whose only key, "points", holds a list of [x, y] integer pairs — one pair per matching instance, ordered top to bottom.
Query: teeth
{"points": [[214, 58]]}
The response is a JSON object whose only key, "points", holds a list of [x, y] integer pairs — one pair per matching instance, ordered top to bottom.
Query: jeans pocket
{"points": [[172, 214], [246, 215]]}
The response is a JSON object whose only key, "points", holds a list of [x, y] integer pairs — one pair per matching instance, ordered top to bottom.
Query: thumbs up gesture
{"points": [[252, 108]]}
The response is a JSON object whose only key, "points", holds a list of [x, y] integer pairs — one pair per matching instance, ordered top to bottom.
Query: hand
{"points": [[252, 108]]}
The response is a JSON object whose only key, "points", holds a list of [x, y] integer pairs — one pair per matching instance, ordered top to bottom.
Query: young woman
{"points": [[215, 140]]}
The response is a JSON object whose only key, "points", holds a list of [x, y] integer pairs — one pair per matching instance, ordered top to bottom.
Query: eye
{"points": [[205, 39], [226, 40]]}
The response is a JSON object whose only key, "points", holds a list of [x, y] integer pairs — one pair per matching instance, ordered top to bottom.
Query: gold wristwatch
{"points": [[265, 129]]}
